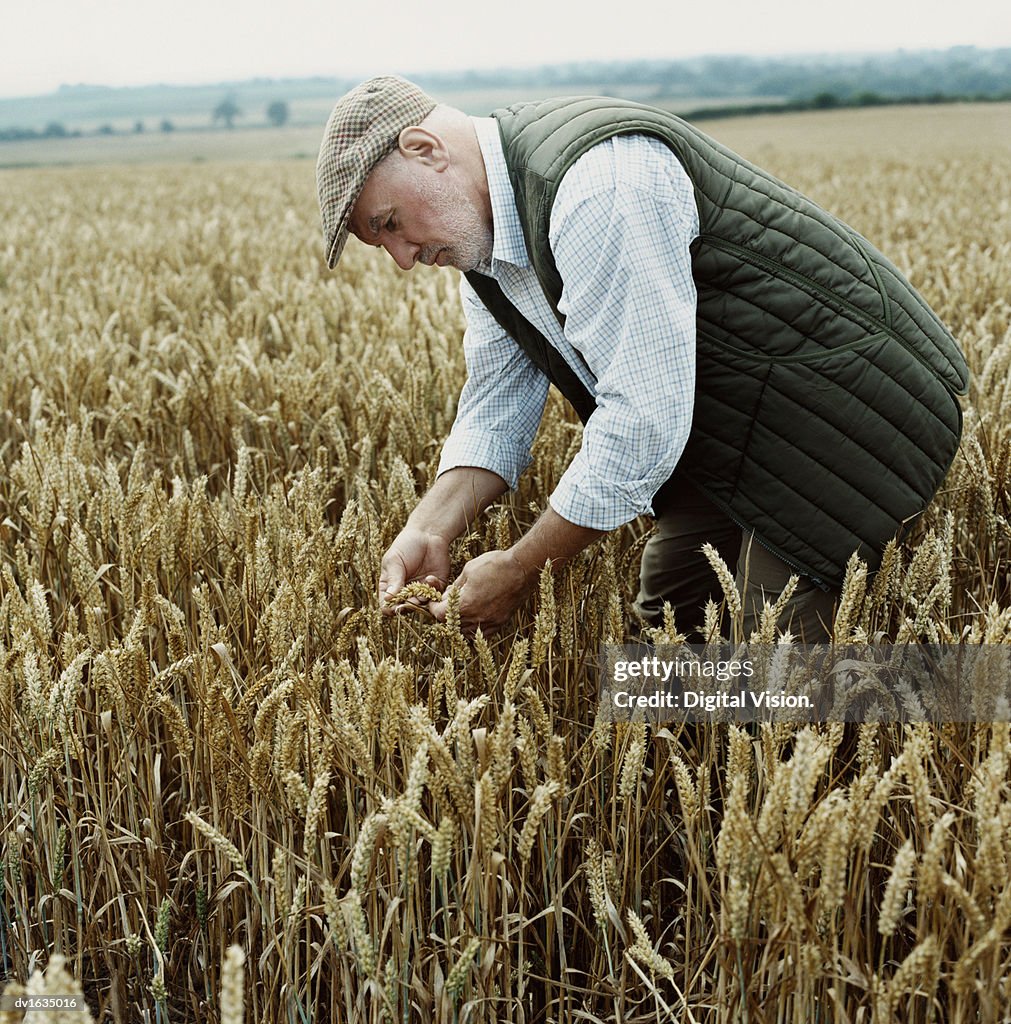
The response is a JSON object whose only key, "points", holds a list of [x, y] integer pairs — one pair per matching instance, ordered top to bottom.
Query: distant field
{"points": [[309, 102], [902, 129], [908, 132], [165, 147]]}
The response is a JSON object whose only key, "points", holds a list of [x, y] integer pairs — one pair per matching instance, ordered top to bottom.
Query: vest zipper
{"points": [[745, 529]]}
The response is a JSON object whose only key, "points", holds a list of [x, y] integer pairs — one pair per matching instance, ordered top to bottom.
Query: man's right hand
{"points": [[414, 555]]}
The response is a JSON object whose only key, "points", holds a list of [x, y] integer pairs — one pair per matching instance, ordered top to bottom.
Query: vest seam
{"points": [[886, 301]]}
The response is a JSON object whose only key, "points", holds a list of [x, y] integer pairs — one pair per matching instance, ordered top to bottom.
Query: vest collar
{"points": [[509, 245]]}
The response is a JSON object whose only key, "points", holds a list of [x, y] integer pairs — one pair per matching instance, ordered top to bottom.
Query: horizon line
{"points": [[532, 67]]}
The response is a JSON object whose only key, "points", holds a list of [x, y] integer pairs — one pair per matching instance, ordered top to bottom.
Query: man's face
{"points": [[420, 215]]}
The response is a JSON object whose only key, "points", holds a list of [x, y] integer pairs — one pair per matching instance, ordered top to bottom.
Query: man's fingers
{"points": [[392, 575], [391, 581], [394, 583], [438, 608]]}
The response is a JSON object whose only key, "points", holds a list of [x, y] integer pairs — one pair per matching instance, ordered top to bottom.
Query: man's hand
{"points": [[421, 550], [414, 555], [494, 584], [491, 587]]}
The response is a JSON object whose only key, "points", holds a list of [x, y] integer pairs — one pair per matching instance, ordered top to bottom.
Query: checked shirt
{"points": [[620, 230]]}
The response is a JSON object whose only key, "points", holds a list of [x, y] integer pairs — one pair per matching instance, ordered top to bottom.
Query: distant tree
{"points": [[869, 99], [825, 101], [227, 110], [277, 113], [167, 126], [138, 127], [105, 129], [55, 130]]}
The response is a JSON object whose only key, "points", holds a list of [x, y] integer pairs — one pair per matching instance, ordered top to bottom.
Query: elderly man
{"points": [[748, 369]]}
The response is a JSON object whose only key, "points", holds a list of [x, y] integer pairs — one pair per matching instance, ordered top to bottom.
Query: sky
{"points": [[46, 43]]}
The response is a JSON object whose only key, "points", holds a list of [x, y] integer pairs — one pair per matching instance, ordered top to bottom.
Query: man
{"points": [[747, 368]]}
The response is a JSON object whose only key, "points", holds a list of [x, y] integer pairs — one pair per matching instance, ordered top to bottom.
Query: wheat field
{"points": [[233, 790]]}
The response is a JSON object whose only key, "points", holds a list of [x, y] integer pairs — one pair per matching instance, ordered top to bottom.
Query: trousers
{"points": [[675, 570]]}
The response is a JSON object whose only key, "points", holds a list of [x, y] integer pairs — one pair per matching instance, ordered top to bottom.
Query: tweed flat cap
{"points": [[363, 128]]}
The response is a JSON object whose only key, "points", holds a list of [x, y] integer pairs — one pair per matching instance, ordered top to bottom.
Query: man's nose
{"points": [[404, 254]]}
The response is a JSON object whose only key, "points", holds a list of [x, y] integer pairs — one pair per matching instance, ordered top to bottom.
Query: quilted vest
{"points": [[825, 406]]}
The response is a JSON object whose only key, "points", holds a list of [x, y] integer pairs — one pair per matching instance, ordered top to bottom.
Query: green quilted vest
{"points": [[825, 409]]}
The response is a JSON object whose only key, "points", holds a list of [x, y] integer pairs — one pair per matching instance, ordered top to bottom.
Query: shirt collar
{"points": [[508, 245]]}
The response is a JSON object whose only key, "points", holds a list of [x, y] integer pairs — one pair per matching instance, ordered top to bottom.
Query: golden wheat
{"points": [[208, 442]]}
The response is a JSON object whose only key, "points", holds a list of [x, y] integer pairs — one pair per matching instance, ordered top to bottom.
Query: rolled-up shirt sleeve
{"points": [[620, 235], [501, 403]]}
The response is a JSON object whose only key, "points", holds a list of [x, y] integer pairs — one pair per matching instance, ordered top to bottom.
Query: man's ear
{"points": [[417, 143]]}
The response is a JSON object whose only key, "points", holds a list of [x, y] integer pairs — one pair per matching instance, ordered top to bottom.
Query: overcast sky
{"points": [[44, 43]]}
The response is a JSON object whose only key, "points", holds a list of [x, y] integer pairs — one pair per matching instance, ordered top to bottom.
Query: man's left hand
{"points": [[492, 586]]}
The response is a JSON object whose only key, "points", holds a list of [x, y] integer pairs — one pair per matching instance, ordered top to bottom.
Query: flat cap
{"points": [[363, 127]]}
